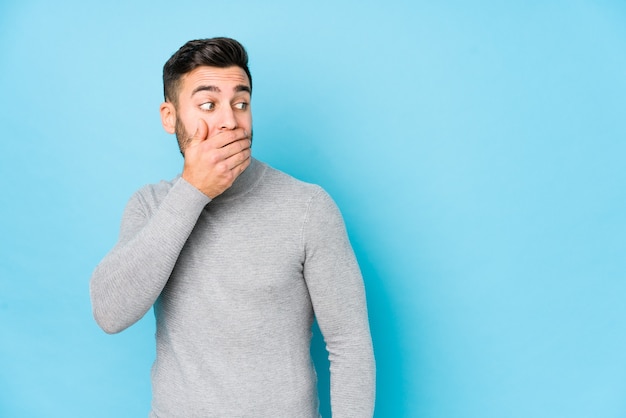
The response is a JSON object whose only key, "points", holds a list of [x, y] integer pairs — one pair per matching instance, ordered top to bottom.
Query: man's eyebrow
{"points": [[242, 87], [215, 89]]}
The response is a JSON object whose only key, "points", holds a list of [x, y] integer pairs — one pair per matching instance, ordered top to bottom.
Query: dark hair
{"points": [[213, 52]]}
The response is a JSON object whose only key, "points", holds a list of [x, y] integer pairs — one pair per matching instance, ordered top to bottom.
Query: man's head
{"points": [[206, 79]]}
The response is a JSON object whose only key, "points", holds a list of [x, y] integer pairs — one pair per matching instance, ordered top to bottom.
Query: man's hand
{"points": [[213, 163]]}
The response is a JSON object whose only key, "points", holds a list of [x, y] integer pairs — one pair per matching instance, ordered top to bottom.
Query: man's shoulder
{"points": [[283, 182], [152, 194]]}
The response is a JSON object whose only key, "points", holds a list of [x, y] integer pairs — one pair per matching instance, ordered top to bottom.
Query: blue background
{"points": [[476, 150]]}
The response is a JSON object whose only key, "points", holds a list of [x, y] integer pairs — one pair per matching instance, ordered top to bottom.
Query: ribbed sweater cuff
{"points": [[185, 200]]}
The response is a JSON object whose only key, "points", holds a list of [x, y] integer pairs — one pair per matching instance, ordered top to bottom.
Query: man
{"points": [[237, 258]]}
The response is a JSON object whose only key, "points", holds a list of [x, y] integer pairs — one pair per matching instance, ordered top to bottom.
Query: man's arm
{"points": [[130, 278], [127, 282], [336, 287]]}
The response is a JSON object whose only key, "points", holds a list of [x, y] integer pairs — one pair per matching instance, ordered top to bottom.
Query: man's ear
{"points": [[168, 117]]}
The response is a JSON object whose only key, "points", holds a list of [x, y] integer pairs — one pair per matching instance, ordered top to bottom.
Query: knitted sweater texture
{"points": [[235, 283]]}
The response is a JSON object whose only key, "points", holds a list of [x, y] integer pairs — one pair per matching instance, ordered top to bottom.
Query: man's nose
{"points": [[227, 119]]}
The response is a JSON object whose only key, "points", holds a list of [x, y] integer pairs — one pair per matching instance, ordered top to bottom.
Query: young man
{"points": [[237, 258]]}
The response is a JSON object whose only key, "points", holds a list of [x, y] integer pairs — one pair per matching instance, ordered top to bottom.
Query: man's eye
{"points": [[241, 105], [207, 106]]}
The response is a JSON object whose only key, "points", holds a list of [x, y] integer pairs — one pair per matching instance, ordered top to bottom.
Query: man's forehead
{"points": [[215, 76]]}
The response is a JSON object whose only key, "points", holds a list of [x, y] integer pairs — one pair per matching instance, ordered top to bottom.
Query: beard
{"points": [[184, 138]]}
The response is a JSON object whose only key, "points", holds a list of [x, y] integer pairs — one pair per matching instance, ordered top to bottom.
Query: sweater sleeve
{"points": [[129, 279], [337, 292]]}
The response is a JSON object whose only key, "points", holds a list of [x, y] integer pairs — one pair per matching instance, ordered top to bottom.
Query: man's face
{"points": [[220, 96]]}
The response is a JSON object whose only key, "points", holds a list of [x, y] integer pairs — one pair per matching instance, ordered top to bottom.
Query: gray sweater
{"points": [[235, 283]]}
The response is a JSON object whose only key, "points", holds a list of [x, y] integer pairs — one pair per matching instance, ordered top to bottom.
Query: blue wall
{"points": [[476, 150]]}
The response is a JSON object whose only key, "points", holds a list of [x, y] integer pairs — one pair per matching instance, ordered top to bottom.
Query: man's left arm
{"points": [[337, 292]]}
